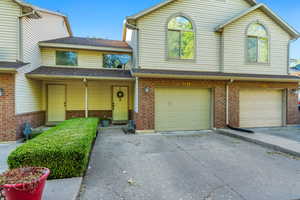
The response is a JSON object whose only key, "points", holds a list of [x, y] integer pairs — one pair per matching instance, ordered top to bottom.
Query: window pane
{"points": [[180, 23], [257, 30], [174, 44], [187, 45], [252, 49], [263, 50], [66, 58], [115, 60]]}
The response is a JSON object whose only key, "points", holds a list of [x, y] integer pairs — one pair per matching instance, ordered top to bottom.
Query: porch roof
{"points": [[88, 43], [11, 66], [45, 72], [155, 73]]}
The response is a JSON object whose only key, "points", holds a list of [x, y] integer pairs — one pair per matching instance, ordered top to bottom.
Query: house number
{"points": [[186, 84]]}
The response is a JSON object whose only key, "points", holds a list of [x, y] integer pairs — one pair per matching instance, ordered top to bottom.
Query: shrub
{"points": [[63, 149]]}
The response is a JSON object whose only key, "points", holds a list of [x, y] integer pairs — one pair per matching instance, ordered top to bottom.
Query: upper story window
{"points": [[181, 39], [257, 44], [68, 58], [115, 61]]}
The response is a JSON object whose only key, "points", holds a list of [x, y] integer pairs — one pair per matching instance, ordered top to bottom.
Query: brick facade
{"points": [[7, 108], [292, 111], [92, 113], [145, 118], [35, 119], [11, 124]]}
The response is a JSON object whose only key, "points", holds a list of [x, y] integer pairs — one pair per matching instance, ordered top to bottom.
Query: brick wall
{"points": [[235, 87], [7, 108], [92, 113], [145, 117], [35, 119], [10, 124]]}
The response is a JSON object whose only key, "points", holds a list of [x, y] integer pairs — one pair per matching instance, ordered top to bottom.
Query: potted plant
{"points": [[105, 122], [24, 183]]}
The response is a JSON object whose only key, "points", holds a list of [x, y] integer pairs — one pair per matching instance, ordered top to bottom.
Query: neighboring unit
{"points": [[22, 26], [207, 64], [183, 65]]}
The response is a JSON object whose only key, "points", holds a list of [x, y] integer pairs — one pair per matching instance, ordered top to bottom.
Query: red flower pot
{"points": [[19, 192]]}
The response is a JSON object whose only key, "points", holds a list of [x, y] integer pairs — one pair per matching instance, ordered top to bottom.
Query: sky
{"points": [[104, 19]]}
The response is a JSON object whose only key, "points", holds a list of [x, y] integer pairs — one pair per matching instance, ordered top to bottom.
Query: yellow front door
{"points": [[56, 103], [120, 103]]}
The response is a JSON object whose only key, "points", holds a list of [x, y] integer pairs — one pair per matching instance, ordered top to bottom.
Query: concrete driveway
{"points": [[290, 132], [204, 166]]}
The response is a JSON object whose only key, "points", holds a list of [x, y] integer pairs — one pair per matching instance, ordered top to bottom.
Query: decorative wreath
{"points": [[120, 94]]}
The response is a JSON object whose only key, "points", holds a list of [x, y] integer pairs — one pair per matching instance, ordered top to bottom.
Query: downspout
{"points": [[33, 12], [133, 27], [21, 53], [86, 98], [136, 99], [227, 101], [227, 111]]}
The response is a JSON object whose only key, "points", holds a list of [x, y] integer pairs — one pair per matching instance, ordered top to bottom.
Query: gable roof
{"points": [[164, 3], [35, 9], [293, 32], [87, 43], [11, 66]]}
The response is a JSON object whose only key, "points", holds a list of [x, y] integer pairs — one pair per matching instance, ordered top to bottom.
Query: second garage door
{"points": [[261, 108], [182, 109]]}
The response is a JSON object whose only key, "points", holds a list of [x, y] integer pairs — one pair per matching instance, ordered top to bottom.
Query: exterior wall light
{"points": [[147, 89], [294, 91], [1, 92]]}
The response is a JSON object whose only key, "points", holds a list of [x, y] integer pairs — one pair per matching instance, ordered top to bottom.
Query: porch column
{"points": [[86, 98]]}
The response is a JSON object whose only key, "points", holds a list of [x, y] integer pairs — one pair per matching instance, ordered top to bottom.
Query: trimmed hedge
{"points": [[63, 149]]}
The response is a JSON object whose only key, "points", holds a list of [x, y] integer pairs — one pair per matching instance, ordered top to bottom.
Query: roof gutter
{"points": [[84, 47], [8, 70], [45, 76], [211, 77]]}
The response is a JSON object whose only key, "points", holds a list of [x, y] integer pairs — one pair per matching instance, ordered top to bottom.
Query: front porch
{"points": [[108, 95]]}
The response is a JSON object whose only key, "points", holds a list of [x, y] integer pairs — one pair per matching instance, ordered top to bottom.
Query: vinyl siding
{"points": [[206, 15], [9, 30], [235, 43], [86, 59], [29, 92], [100, 94]]}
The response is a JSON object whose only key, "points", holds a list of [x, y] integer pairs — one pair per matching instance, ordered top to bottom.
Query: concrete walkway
{"points": [[278, 143], [5, 150], [203, 166]]}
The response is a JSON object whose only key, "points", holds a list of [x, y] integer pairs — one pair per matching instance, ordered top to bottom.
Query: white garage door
{"points": [[261, 107], [182, 109]]}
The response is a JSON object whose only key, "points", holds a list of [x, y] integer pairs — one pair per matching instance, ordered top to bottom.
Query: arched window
{"points": [[181, 39], [257, 44]]}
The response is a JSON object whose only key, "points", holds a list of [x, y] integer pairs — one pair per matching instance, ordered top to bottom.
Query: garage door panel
{"points": [[261, 107], [182, 109]]}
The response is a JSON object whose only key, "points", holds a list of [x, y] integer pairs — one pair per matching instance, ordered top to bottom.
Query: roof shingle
{"points": [[90, 42], [12, 65], [80, 72], [199, 73]]}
